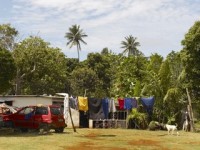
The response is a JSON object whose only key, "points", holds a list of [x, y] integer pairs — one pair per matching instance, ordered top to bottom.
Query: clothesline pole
{"points": [[85, 92], [67, 109], [70, 113], [126, 118]]}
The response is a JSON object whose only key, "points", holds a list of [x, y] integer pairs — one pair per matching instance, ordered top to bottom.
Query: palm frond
{"points": [[74, 37]]}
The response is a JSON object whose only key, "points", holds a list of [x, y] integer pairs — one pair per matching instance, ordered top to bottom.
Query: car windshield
{"points": [[41, 111], [55, 111]]}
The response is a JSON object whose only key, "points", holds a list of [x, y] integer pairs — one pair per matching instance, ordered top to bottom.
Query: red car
{"points": [[39, 117]]}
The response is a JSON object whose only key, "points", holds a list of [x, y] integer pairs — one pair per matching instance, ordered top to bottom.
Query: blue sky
{"points": [[159, 25]]}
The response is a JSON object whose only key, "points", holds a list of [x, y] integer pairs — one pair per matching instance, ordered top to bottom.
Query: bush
{"points": [[139, 119], [154, 125]]}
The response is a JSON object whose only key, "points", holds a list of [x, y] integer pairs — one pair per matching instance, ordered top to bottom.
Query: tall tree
{"points": [[8, 35], [75, 37], [130, 45], [190, 56], [155, 63], [71, 64], [101, 66], [40, 68], [7, 70], [130, 72], [82, 79], [170, 84], [152, 86]]}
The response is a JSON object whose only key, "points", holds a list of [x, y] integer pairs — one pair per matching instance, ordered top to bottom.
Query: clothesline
{"points": [[81, 103], [100, 108]]}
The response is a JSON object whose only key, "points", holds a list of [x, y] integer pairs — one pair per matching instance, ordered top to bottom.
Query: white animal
{"points": [[185, 125], [172, 129]]}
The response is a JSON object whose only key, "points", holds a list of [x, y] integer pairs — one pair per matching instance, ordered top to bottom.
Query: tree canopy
{"points": [[8, 35], [130, 46], [190, 56], [40, 68], [7, 70]]}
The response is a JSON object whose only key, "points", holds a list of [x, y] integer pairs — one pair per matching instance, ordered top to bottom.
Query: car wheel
{"points": [[44, 128], [16, 129], [24, 130], [59, 130]]}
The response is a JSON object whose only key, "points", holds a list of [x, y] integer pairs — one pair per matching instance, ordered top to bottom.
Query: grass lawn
{"points": [[103, 139]]}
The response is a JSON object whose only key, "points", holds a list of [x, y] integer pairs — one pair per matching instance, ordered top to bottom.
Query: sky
{"points": [[158, 25]]}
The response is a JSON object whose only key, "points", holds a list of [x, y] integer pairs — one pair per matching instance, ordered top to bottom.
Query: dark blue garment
{"points": [[105, 103], [128, 103], [134, 103], [148, 104], [95, 108], [28, 116]]}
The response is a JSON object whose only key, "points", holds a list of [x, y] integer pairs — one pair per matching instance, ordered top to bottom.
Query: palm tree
{"points": [[75, 36], [130, 45]]}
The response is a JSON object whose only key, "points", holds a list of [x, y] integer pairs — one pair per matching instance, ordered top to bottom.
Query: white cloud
{"points": [[160, 25]]}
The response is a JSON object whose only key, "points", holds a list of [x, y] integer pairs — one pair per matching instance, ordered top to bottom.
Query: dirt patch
{"points": [[91, 135], [146, 142], [91, 146]]}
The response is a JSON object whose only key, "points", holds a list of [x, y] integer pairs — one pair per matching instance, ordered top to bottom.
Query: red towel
{"points": [[121, 103]]}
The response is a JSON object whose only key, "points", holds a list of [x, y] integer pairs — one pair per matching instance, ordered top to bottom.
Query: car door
{"points": [[41, 116], [29, 117], [57, 117], [18, 118], [24, 118]]}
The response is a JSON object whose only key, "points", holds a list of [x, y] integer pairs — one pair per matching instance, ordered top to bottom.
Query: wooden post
{"points": [[67, 108], [190, 112], [70, 114], [127, 121]]}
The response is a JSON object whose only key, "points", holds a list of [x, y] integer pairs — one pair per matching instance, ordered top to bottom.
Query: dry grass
{"points": [[103, 139]]}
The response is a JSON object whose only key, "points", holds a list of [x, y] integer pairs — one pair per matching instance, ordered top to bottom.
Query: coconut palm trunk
{"points": [[78, 53]]}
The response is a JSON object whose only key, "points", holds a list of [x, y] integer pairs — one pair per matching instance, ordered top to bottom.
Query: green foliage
{"points": [[7, 36], [130, 46], [105, 51], [190, 56], [155, 63], [71, 64], [98, 66], [101, 66], [176, 67], [40, 68], [7, 70], [130, 71], [165, 75], [84, 80], [152, 80], [162, 82], [137, 89], [172, 95], [134, 114], [139, 118], [154, 125]]}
